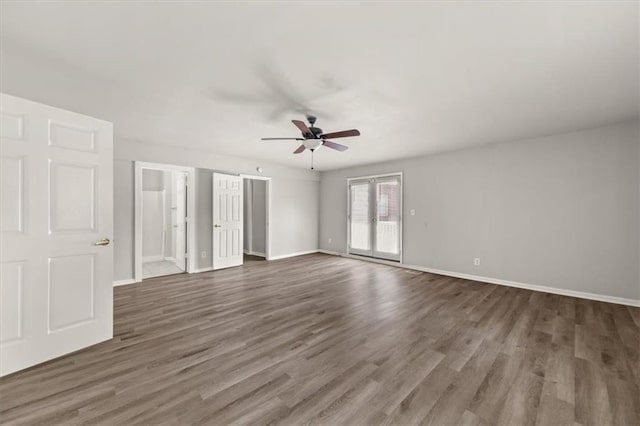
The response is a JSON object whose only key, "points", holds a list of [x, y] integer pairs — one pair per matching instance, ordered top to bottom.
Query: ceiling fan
{"points": [[313, 137]]}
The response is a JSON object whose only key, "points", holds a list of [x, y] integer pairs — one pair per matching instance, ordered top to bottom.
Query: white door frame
{"points": [[191, 204], [181, 207], [372, 209], [247, 211], [267, 242]]}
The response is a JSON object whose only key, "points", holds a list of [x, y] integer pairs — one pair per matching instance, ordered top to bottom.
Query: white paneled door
{"points": [[56, 206], [227, 221]]}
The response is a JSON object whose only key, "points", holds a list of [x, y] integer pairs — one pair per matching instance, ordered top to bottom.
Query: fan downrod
{"points": [[316, 132]]}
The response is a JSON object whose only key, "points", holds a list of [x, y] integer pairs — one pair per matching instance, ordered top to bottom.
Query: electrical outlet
{"points": [[412, 212], [329, 240], [203, 254], [476, 261]]}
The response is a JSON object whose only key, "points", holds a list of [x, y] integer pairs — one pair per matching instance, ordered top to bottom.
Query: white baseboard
{"points": [[255, 253], [336, 253], [284, 256], [155, 258], [170, 259], [197, 271], [124, 282], [534, 287]]}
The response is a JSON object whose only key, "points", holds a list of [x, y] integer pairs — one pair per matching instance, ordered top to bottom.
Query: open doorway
{"points": [[255, 219], [163, 231]]}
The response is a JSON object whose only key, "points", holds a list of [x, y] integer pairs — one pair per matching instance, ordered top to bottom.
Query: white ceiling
{"points": [[414, 77]]}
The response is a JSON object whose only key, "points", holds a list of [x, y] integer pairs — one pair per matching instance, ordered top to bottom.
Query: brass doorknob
{"points": [[102, 242]]}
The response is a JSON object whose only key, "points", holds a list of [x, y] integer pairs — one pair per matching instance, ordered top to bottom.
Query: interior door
{"points": [[56, 205], [227, 221], [181, 225]]}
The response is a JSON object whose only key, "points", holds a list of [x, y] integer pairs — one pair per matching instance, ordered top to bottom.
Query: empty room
{"points": [[320, 212]]}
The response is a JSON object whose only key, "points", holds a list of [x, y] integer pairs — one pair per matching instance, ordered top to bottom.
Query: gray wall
{"points": [[295, 208], [561, 211], [204, 217], [123, 220]]}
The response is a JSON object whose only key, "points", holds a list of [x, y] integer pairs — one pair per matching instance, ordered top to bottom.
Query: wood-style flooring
{"points": [[329, 340]]}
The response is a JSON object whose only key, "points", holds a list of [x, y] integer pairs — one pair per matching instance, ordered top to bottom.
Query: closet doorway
{"points": [[256, 218], [163, 231]]}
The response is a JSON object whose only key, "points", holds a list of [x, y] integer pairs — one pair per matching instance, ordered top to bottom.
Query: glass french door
{"points": [[375, 217]]}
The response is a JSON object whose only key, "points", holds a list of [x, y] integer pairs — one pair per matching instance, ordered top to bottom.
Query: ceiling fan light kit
{"points": [[313, 137], [312, 144]]}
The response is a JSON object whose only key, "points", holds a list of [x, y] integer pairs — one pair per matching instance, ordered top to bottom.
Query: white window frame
{"points": [[372, 207]]}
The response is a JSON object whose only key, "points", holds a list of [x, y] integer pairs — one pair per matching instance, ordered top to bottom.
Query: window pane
{"points": [[388, 217], [360, 222]]}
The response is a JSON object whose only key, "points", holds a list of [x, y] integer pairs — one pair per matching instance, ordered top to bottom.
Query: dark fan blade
{"points": [[303, 127], [342, 134], [282, 139], [336, 146], [299, 150]]}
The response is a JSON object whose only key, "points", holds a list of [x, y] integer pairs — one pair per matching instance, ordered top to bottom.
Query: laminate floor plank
{"points": [[319, 339]]}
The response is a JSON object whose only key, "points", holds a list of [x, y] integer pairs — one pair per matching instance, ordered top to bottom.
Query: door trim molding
{"points": [[137, 212], [300, 253], [118, 283]]}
